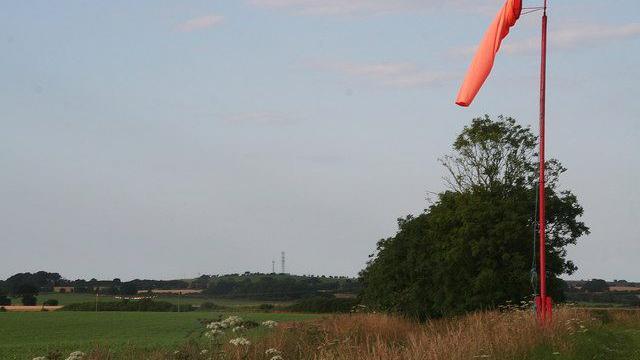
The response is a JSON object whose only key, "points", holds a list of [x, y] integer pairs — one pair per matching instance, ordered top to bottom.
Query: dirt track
{"points": [[22, 308]]}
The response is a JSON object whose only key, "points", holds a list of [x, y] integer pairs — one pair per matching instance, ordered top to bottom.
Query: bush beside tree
{"points": [[5, 300], [29, 300], [51, 302], [323, 305]]}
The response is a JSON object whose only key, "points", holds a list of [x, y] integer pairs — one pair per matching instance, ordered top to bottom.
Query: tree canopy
{"points": [[472, 248], [595, 285]]}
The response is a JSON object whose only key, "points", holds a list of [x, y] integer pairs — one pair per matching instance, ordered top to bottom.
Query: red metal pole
{"points": [[545, 308]]}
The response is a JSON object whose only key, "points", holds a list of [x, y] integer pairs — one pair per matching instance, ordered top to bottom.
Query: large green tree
{"points": [[472, 248]]}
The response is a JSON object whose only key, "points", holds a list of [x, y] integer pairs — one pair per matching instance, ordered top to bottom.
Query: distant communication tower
{"points": [[282, 262], [273, 266]]}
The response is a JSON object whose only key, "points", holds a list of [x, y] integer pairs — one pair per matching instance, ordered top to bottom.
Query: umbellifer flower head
{"points": [[270, 323], [240, 341], [272, 351], [76, 355]]}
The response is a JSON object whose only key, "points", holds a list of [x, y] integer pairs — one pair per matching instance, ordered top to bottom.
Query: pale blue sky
{"points": [[171, 138]]}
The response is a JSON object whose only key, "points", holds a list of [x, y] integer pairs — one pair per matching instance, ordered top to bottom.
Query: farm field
{"points": [[71, 298], [26, 335]]}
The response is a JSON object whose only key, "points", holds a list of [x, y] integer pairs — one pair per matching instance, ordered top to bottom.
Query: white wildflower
{"points": [[231, 321], [270, 323], [238, 329], [213, 333], [240, 341], [204, 351], [272, 351], [76, 355], [277, 357], [39, 358]]}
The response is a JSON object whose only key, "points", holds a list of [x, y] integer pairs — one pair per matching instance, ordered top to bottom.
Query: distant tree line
{"points": [[257, 286], [276, 286], [598, 291]]}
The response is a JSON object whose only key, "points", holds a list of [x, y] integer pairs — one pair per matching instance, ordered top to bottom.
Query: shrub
{"points": [[595, 285], [5, 300], [29, 300], [51, 302], [323, 305], [209, 306], [266, 307], [2, 309]]}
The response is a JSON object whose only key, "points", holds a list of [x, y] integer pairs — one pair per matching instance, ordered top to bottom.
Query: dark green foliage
{"points": [[472, 248], [40, 280], [595, 285], [258, 286], [277, 286], [23, 289], [129, 289], [621, 298], [5, 300], [29, 300], [51, 302], [129, 305], [323, 305], [209, 306], [266, 307]]}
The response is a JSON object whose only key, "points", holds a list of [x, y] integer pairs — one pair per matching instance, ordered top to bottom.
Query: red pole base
{"points": [[544, 311]]}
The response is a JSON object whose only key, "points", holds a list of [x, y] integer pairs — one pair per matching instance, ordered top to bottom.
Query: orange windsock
{"points": [[486, 53]]}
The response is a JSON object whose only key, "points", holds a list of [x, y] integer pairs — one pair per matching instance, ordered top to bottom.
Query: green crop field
{"points": [[70, 298], [26, 335]]}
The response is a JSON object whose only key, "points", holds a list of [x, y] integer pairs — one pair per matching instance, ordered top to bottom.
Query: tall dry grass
{"points": [[501, 335]]}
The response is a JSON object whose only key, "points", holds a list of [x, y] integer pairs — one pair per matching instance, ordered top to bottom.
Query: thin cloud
{"points": [[364, 7], [202, 22], [578, 36], [572, 37], [396, 74]]}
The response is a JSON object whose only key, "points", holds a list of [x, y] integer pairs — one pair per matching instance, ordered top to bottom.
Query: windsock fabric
{"points": [[486, 53]]}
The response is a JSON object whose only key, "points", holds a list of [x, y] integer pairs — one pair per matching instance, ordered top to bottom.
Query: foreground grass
{"points": [[26, 335], [614, 339], [606, 342]]}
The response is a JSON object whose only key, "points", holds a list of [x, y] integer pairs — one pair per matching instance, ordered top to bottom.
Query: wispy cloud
{"points": [[364, 7], [202, 22], [577, 36], [570, 37], [397, 74]]}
